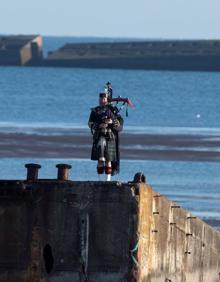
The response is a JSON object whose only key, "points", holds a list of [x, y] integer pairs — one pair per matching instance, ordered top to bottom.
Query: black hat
{"points": [[103, 94]]}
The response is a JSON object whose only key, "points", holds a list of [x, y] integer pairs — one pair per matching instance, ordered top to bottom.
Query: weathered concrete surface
{"points": [[55, 230], [66, 231], [173, 244]]}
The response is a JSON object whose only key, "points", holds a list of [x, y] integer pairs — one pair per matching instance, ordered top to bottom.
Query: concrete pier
{"points": [[21, 50], [61, 230]]}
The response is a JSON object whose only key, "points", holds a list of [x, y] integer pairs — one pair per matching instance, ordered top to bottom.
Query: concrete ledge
{"points": [[61, 230], [175, 245]]}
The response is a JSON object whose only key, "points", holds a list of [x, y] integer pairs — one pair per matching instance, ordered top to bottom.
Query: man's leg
{"points": [[100, 169], [108, 170]]}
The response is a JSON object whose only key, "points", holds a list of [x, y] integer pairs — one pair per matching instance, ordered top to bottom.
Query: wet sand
{"points": [[132, 146]]}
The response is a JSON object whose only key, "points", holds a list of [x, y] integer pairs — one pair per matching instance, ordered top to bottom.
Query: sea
{"points": [[58, 100]]}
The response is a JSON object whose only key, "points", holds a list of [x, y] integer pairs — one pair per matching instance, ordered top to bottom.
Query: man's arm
{"points": [[92, 121]]}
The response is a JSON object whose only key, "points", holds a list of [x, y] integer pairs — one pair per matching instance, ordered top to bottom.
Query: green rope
{"points": [[127, 110], [135, 248], [132, 256]]}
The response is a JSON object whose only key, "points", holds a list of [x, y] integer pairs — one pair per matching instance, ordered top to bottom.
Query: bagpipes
{"points": [[127, 101]]}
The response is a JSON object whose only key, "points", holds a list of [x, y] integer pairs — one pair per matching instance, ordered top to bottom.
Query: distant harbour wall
{"points": [[21, 50], [192, 55], [202, 55], [175, 63]]}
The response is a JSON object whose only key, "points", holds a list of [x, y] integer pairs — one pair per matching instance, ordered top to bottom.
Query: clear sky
{"points": [[113, 18]]}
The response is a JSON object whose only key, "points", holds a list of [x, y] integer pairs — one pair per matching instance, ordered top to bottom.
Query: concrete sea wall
{"points": [[54, 230], [61, 230], [173, 244]]}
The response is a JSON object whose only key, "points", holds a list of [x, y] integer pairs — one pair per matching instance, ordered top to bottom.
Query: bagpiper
{"points": [[105, 123]]}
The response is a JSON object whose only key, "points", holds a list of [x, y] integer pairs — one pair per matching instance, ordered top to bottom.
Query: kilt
{"points": [[110, 152]]}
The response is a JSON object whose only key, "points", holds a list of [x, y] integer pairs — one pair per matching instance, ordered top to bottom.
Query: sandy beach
{"points": [[133, 146]]}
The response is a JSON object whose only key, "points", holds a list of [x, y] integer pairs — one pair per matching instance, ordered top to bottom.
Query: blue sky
{"points": [[115, 18]]}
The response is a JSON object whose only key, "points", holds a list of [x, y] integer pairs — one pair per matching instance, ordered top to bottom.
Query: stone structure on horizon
{"points": [[19, 50], [193, 55], [196, 55]]}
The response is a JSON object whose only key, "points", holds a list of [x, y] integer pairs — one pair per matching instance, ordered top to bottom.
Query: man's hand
{"points": [[109, 121], [116, 123], [103, 125]]}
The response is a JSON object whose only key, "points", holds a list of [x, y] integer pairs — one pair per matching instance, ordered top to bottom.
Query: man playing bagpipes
{"points": [[105, 123]]}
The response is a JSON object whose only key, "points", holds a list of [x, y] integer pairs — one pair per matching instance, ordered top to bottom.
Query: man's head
{"points": [[103, 99]]}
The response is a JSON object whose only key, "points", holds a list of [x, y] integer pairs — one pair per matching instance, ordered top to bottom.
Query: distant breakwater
{"points": [[187, 55], [200, 55]]}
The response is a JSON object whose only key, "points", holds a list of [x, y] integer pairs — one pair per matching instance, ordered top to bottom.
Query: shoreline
{"points": [[140, 146]]}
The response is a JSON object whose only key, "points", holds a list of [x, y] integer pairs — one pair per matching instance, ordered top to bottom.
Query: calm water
{"points": [[63, 97], [45, 99]]}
